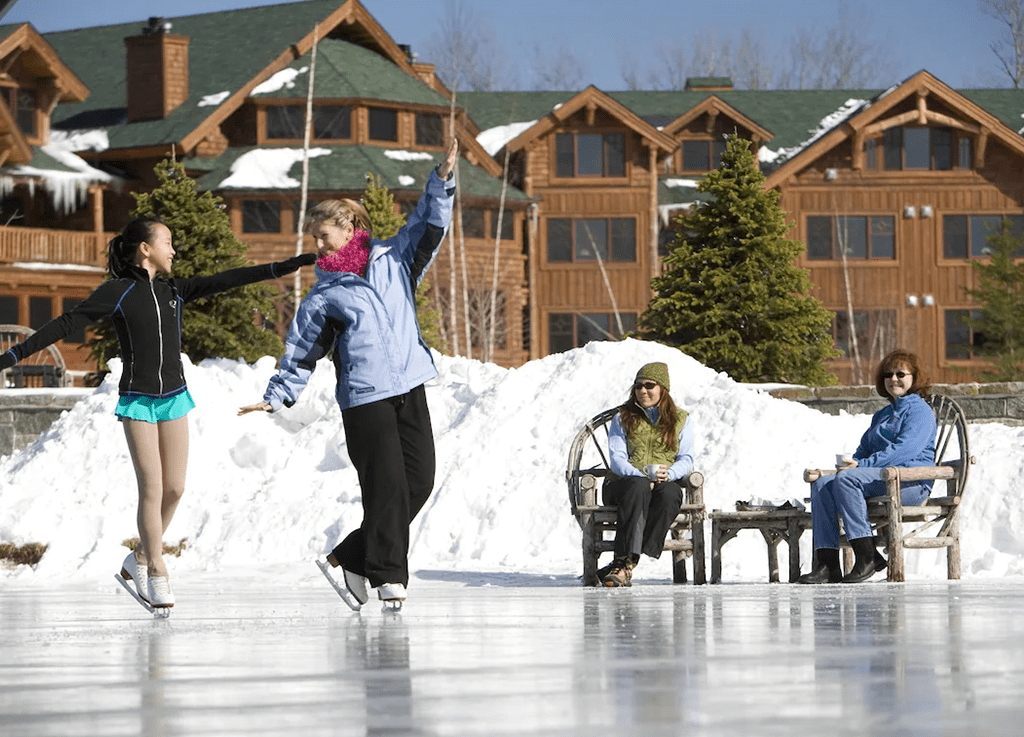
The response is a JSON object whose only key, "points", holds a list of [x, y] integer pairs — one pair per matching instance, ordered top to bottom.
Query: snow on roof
{"points": [[284, 78], [215, 99], [826, 124], [1021, 131], [494, 139], [408, 155], [267, 168], [406, 181], [673, 183], [68, 189], [46, 266]]}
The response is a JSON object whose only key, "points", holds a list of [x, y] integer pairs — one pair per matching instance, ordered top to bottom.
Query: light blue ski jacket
{"points": [[368, 325]]}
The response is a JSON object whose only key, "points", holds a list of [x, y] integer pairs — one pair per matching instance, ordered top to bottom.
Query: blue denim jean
{"points": [[845, 494]]}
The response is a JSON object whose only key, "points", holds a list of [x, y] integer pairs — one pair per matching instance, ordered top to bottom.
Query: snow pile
{"points": [[279, 81], [214, 100], [830, 121], [494, 139], [403, 155], [267, 168], [405, 180], [673, 183], [267, 489]]}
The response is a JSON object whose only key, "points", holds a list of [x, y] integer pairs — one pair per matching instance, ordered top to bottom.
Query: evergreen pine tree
{"points": [[380, 206], [1000, 294], [731, 296], [218, 326]]}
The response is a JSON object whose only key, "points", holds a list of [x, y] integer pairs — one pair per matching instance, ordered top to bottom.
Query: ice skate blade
{"points": [[344, 593], [391, 606], [157, 612]]}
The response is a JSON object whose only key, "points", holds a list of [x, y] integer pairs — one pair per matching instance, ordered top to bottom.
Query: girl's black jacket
{"points": [[146, 314]]}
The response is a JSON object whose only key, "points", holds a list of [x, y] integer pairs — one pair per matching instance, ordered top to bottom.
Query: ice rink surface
{"points": [[277, 653]]}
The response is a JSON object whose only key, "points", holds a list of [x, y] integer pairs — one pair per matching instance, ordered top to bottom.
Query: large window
{"points": [[26, 114], [286, 122], [332, 122], [383, 124], [429, 129], [915, 148], [591, 154], [702, 155], [261, 216], [473, 222], [508, 225], [858, 236], [966, 236], [584, 239], [9, 310], [40, 311], [480, 318], [567, 330], [875, 331], [962, 342]]}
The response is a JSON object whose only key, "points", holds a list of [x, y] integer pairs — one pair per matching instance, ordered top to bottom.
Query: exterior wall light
{"points": [[926, 211], [909, 212], [911, 300], [929, 300]]}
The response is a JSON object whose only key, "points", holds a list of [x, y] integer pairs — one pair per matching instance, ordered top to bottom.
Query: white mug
{"points": [[844, 459], [651, 470]]}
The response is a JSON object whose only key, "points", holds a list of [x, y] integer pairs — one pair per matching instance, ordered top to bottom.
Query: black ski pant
{"points": [[391, 445], [644, 514]]}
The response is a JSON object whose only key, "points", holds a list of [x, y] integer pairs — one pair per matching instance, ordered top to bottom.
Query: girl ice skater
{"points": [[362, 311], [154, 400]]}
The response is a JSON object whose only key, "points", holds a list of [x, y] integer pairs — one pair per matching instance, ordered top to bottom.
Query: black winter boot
{"points": [[864, 566], [826, 567]]}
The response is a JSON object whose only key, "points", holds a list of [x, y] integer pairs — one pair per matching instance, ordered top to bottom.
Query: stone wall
{"points": [[996, 402], [25, 414]]}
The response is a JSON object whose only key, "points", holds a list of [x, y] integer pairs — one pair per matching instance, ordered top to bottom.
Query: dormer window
{"points": [[22, 103], [288, 122], [383, 124], [429, 129], [920, 148], [590, 154], [702, 155]]}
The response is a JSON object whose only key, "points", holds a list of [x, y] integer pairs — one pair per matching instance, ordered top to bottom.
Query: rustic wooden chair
{"points": [[44, 368], [588, 462], [900, 527]]}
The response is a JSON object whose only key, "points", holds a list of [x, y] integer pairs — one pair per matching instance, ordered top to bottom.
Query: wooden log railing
{"points": [[78, 247]]}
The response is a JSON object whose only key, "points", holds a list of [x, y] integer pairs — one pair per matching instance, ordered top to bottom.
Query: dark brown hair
{"points": [[121, 249], [893, 362], [631, 413]]}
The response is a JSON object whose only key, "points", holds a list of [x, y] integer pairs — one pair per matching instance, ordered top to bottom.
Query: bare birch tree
{"points": [[1009, 49], [466, 52], [561, 70], [297, 279]]}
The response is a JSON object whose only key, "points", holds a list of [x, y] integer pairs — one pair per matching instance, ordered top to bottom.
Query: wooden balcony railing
{"points": [[78, 247]]}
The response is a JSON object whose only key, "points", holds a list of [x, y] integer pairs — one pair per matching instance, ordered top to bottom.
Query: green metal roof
{"points": [[226, 50], [1007, 105], [43, 160], [345, 169]]}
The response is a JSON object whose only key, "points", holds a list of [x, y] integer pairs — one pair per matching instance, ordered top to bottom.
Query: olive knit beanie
{"points": [[655, 372]]}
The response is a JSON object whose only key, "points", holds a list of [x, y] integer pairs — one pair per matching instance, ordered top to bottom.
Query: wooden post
{"points": [[96, 195], [588, 485], [897, 573]]}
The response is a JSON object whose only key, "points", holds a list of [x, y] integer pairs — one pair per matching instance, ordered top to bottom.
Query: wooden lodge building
{"points": [[906, 182]]}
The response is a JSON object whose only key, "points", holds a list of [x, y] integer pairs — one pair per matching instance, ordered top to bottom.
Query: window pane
{"points": [[27, 112], [286, 121], [331, 122], [383, 124], [429, 129], [892, 142], [916, 148], [942, 148], [717, 149], [615, 153], [871, 153], [564, 154], [589, 155], [695, 155], [966, 159], [261, 216], [473, 222], [508, 225], [983, 226], [1017, 231], [851, 236], [954, 236], [591, 237], [819, 238], [559, 239], [623, 239], [883, 241], [9, 310], [40, 311], [628, 324], [592, 327], [560, 332], [840, 332], [958, 335], [78, 336]]}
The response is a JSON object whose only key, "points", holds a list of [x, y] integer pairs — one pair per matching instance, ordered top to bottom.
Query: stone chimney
{"points": [[157, 71]]}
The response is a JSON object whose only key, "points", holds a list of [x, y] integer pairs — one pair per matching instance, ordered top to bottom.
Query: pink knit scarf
{"points": [[351, 257]]}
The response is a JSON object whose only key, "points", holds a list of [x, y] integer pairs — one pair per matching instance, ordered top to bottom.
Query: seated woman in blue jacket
{"points": [[362, 312], [902, 434], [650, 448]]}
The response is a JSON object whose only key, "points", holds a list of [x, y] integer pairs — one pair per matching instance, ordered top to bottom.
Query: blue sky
{"points": [[949, 38]]}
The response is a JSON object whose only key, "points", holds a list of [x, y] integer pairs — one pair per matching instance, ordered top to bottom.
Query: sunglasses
{"points": [[897, 374], [648, 385]]}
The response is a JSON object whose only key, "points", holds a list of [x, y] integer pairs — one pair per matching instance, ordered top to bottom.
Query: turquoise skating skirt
{"points": [[155, 409]]}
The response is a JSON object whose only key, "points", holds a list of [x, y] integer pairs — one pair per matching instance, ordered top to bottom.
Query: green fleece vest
{"points": [[646, 445]]}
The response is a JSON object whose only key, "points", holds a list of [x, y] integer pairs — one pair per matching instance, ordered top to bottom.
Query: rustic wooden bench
{"points": [[44, 368], [588, 463], [775, 525]]}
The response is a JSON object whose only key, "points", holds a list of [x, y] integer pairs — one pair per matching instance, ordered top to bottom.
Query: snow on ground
{"points": [[268, 489]]}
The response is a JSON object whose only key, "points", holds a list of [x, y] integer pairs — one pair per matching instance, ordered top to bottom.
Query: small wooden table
{"points": [[775, 526]]}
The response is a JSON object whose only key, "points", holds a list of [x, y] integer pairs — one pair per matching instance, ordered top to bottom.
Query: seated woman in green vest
{"points": [[650, 447]]}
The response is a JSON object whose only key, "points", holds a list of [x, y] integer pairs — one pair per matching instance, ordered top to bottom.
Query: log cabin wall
{"points": [[913, 298]]}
